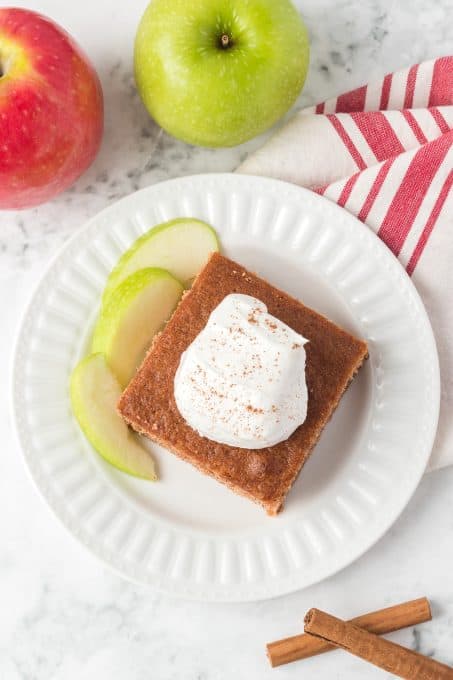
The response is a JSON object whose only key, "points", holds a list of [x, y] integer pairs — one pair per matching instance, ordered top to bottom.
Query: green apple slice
{"points": [[181, 246], [135, 311], [94, 395]]}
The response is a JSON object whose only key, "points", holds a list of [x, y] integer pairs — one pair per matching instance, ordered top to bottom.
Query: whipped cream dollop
{"points": [[242, 380]]}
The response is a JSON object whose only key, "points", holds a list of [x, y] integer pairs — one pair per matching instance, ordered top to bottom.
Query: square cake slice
{"points": [[263, 475]]}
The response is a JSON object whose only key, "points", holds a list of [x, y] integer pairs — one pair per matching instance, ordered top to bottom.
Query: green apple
{"points": [[219, 72], [181, 246], [135, 311], [94, 395]]}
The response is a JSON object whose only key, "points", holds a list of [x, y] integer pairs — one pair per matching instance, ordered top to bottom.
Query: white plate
{"points": [[187, 534]]}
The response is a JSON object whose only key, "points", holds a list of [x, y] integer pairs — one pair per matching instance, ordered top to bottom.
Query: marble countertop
{"points": [[63, 616]]}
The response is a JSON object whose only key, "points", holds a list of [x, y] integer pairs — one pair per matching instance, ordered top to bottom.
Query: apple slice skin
{"points": [[194, 239], [136, 310], [94, 393]]}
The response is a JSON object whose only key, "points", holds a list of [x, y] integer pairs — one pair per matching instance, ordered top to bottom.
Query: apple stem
{"points": [[225, 40]]}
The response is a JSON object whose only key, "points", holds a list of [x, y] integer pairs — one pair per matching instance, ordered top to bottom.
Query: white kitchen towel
{"points": [[384, 152]]}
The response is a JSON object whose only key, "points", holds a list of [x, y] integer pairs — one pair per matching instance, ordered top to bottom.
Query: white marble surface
{"points": [[62, 615]]}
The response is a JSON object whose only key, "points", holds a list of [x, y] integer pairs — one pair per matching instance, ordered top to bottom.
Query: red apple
{"points": [[51, 109]]}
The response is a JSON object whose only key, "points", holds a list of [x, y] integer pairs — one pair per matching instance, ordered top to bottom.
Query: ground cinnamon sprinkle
{"points": [[271, 324], [254, 409]]}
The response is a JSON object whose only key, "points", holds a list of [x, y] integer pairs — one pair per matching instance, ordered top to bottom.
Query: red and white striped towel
{"points": [[385, 153]]}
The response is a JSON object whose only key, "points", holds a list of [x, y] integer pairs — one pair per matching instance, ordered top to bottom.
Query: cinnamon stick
{"points": [[379, 622], [381, 652]]}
